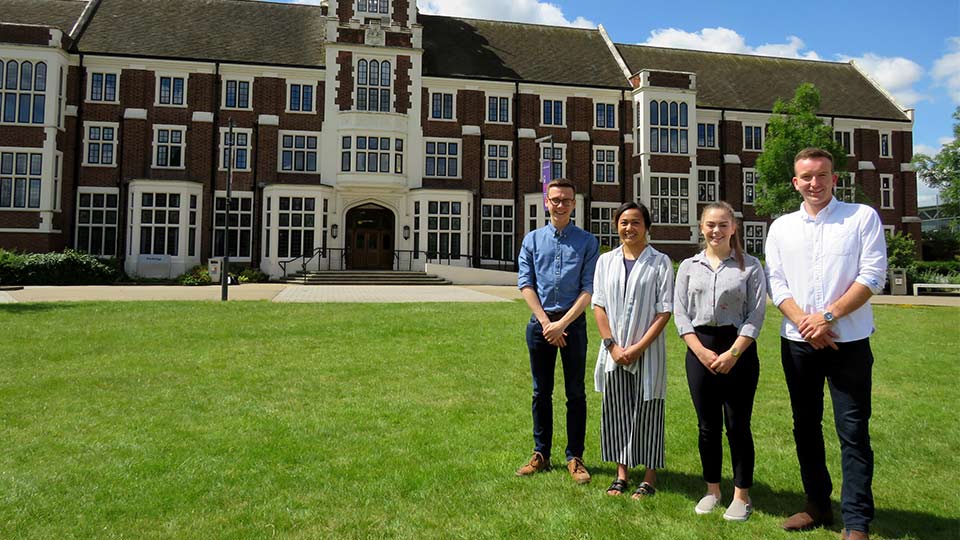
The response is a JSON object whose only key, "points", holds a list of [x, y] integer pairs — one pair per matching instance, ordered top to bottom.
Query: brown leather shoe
{"points": [[536, 464], [578, 471], [810, 518], [854, 535]]}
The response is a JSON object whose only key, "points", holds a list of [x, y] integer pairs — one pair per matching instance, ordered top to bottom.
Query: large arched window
{"points": [[373, 85], [22, 91], [668, 127]]}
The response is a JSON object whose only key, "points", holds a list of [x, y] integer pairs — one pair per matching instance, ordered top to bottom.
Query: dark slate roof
{"points": [[60, 14], [243, 31], [481, 49], [753, 83]]}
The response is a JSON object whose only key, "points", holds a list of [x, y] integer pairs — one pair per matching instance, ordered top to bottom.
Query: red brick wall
{"points": [[400, 9], [344, 10], [25, 35], [350, 35], [399, 39], [669, 80], [345, 81], [403, 84], [19, 220], [32, 242]]}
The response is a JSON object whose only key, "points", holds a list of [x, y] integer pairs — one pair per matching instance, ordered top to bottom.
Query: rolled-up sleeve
{"points": [[873, 255], [590, 256], [526, 275], [776, 280], [664, 302], [755, 304], [680, 316]]}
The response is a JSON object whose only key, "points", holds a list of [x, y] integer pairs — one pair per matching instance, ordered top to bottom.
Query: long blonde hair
{"points": [[735, 240]]}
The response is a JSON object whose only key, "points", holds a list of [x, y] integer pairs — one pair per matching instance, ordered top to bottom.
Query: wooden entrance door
{"points": [[370, 238]]}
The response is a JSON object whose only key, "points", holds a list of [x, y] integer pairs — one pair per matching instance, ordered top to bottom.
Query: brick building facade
{"points": [[366, 135]]}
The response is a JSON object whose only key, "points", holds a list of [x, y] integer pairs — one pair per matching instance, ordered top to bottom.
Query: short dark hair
{"points": [[814, 153], [562, 183], [630, 205]]}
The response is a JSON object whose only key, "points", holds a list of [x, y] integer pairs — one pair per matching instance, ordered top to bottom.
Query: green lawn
{"points": [[259, 420]]}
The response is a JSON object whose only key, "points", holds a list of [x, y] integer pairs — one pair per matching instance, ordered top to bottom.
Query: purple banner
{"points": [[546, 176]]}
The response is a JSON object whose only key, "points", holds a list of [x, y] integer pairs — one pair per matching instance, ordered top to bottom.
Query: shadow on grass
{"points": [[34, 307]]}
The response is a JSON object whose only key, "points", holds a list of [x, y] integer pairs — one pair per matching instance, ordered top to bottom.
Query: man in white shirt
{"points": [[824, 261]]}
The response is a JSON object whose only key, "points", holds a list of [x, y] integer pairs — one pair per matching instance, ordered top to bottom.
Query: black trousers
{"points": [[848, 371], [724, 399]]}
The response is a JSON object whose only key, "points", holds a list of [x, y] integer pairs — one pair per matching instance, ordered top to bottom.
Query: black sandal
{"points": [[618, 486], [645, 489]]}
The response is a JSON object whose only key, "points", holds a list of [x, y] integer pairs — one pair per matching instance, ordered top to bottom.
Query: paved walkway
{"points": [[281, 292]]}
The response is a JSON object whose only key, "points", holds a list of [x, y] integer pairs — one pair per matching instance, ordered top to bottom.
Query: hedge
{"points": [[64, 268]]}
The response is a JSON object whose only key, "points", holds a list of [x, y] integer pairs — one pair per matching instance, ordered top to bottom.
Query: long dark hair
{"points": [[735, 240]]}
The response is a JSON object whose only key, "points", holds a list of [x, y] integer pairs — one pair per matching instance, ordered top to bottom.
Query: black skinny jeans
{"points": [[724, 398]]}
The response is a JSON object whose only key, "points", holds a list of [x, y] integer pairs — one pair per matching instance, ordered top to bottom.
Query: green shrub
{"points": [[941, 245], [901, 250], [58, 268], [198, 275], [252, 275], [930, 276]]}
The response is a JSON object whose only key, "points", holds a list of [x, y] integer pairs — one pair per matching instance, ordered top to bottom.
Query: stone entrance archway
{"points": [[370, 229]]}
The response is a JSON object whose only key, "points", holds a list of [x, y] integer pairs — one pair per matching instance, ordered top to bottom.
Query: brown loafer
{"points": [[536, 464], [578, 471], [810, 518], [854, 535]]}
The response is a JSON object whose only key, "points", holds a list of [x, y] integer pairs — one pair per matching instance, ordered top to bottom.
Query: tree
{"points": [[793, 126], [943, 170]]}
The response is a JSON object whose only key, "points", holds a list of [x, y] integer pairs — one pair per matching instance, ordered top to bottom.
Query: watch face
{"points": [[827, 316]]}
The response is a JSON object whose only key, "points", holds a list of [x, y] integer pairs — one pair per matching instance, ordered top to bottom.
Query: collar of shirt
{"points": [[822, 214], [702, 259]]}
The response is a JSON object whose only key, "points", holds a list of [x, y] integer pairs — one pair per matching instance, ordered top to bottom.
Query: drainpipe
{"points": [[623, 148], [78, 153], [214, 166], [518, 213]]}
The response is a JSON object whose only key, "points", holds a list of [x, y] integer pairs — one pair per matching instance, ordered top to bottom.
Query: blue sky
{"points": [[914, 55]]}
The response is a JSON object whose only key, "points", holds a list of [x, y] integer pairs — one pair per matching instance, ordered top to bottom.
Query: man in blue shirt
{"points": [[556, 267]]}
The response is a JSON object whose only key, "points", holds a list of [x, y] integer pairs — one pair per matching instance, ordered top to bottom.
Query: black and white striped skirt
{"points": [[631, 429]]}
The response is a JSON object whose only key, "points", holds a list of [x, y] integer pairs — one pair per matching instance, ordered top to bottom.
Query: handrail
{"points": [[434, 257]]}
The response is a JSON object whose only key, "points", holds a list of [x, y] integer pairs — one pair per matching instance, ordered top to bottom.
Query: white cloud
{"points": [[529, 11], [726, 40], [946, 70], [895, 74], [925, 149]]}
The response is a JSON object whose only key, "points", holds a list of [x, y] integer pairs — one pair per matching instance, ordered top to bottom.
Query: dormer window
{"points": [[373, 7]]}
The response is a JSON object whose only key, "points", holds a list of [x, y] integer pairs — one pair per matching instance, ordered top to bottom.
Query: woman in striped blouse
{"points": [[632, 301], [719, 303]]}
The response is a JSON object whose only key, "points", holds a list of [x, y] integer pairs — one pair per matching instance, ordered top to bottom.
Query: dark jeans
{"points": [[543, 361], [848, 372], [724, 398]]}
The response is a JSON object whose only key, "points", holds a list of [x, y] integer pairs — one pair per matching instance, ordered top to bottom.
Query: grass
{"points": [[258, 420]]}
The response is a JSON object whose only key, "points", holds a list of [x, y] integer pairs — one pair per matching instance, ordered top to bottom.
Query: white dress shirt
{"points": [[814, 260]]}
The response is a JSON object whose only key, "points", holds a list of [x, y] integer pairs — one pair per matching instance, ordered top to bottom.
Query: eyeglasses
{"points": [[561, 202]]}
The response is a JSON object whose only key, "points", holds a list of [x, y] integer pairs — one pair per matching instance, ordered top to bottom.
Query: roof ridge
{"points": [[521, 23]]}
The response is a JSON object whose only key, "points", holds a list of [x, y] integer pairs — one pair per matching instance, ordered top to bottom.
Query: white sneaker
{"points": [[706, 504], [738, 511]]}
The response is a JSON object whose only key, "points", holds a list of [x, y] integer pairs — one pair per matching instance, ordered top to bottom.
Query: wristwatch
{"points": [[827, 316], [608, 342], [734, 352]]}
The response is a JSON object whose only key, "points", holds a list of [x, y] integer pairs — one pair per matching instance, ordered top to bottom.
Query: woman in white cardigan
{"points": [[632, 302]]}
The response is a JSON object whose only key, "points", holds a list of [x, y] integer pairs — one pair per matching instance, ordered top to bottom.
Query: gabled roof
{"points": [[61, 14], [243, 31], [480, 49], [753, 83]]}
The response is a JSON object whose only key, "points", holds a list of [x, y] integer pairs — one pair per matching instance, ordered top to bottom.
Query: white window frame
{"points": [[104, 73], [172, 76], [237, 80], [357, 88], [313, 96], [34, 97], [498, 97], [453, 105], [563, 114], [596, 118], [706, 126], [681, 127], [224, 133], [839, 135], [889, 135], [763, 137], [87, 142], [182, 144], [562, 148], [294, 150], [353, 151], [447, 156], [487, 157], [616, 164], [30, 176], [749, 177], [707, 182], [846, 191], [889, 191], [241, 197], [601, 214], [684, 219], [188, 221], [104, 225], [754, 226], [889, 230], [450, 232], [492, 234]]}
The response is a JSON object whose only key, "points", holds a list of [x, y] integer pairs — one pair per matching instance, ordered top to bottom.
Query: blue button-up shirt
{"points": [[559, 265]]}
